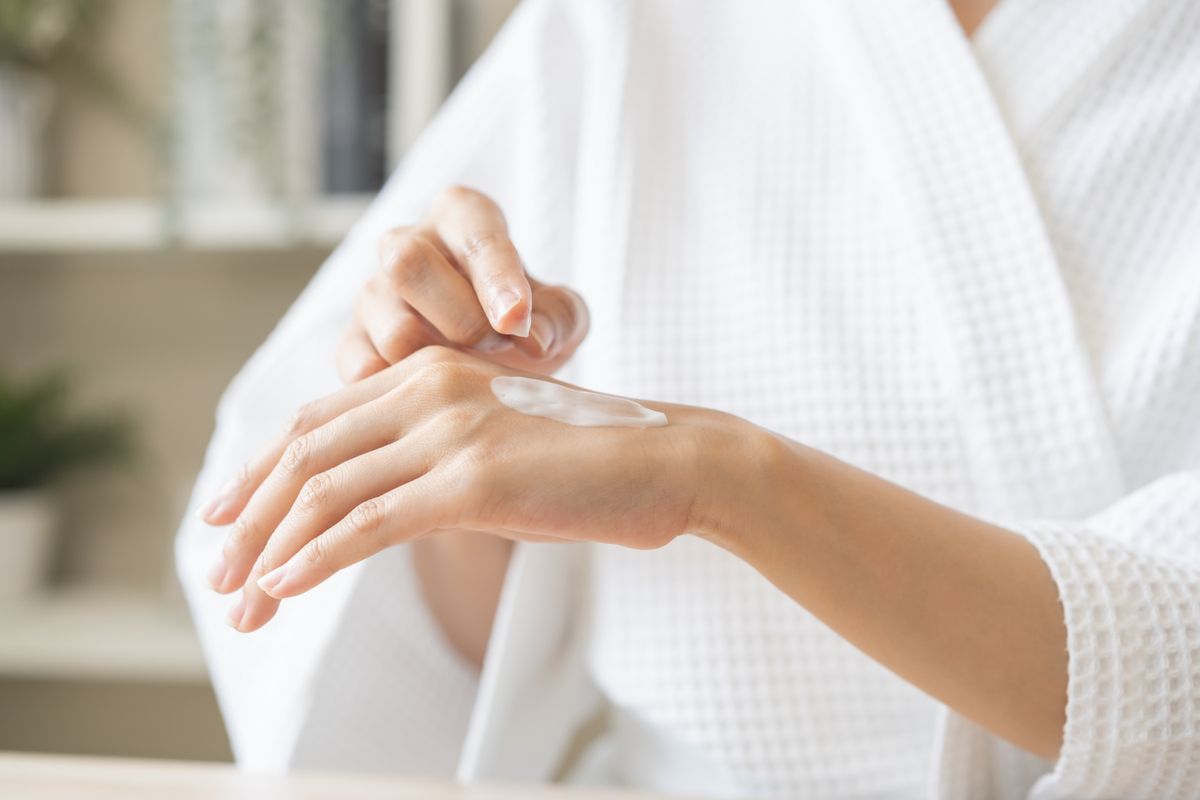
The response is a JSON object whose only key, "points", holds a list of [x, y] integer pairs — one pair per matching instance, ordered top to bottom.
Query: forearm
{"points": [[461, 574], [963, 609]]}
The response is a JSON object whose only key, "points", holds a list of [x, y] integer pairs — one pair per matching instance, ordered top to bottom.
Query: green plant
{"points": [[38, 34], [239, 45], [242, 55], [41, 438]]}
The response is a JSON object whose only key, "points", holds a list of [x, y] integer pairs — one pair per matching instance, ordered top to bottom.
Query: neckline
{"points": [[995, 20], [971, 35]]}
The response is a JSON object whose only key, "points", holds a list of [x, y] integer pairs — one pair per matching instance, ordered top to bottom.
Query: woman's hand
{"points": [[456, 279], [425, 445], [961, 608]]}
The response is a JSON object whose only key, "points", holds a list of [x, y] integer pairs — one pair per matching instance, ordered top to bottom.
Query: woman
{"points": [[891, 256]]}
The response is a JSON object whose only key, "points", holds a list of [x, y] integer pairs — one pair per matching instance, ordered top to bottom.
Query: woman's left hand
{"points": [[425, 445]]}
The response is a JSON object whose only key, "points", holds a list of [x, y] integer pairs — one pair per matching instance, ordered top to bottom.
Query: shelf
{"points": [[89, 226], [90, 635]]}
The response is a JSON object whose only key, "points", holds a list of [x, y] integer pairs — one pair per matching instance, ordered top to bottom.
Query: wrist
{"points": [[755, 485]]}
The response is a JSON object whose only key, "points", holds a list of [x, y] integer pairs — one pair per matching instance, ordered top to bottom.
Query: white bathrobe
{"points": [[970, 267]]}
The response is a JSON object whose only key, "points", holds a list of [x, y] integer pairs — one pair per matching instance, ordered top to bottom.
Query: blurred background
{"points": [[172, 172]]}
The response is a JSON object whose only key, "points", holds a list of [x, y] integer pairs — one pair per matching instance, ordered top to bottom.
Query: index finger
{"points": [[474, 230], [232, 498]]}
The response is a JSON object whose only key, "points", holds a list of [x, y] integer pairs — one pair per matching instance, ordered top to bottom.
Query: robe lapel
{"points": [[1035, 69], [604, 199], [1018, 377], [534, 692]]}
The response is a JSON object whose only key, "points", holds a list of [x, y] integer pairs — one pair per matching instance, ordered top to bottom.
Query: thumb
{"points": [[558, 324]]}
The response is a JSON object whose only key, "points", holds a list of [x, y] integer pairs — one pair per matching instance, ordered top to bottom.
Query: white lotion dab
{"points": [[573, 406]]}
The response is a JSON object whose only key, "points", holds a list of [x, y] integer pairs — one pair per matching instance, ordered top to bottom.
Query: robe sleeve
{"points": [[1128, 579], [355, 675]]}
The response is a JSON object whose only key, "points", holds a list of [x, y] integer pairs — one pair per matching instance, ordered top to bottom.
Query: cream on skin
{"points": [[573, 406]]}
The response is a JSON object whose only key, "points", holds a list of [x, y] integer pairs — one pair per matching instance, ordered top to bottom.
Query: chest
{"points": [[847, 239], [863, 239]]}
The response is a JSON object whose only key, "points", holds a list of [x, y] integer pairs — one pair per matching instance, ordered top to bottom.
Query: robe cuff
{"points": [[1133, 645]]}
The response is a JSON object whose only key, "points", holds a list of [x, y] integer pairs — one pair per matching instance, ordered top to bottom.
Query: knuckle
{"points": [[457, 195], [393, 235], [390, 243], [478, 243], [407, 260], [379, 291], [469, 329], [399, 340], [433, 354], [352, 358], [356, 368], [440, 377], [457, 418], [301, 421], [298, 455], [485, 460], [245, 475], [483, 481], [315, 492], [367, 517], [242, 535], [316, 552], [262, 565]]}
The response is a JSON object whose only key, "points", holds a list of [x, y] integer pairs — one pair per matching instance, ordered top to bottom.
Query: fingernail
{"points": [[503, 302], [542, 331], [493, 342], [221, 502], [216, 509], [206, 511], [217, 573], [272, 579], [234, 618]]}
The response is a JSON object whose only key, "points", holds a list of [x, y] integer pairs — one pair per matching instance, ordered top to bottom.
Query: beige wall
{"points": [[134, 43], [98, 153], [159, 333], [114, 719]]}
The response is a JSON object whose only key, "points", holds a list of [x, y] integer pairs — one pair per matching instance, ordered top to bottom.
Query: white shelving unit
{"points": [[419, 78], [91, 226], [95, 636]]}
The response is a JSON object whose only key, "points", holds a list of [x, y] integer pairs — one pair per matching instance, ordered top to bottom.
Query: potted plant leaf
{"points": [[41, 439]]}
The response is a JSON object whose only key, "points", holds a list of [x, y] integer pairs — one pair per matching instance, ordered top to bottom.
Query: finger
{"points": [[473, 229], [417, 273], [559, 323], [394, 329], [357, 358], [299, 472], [233, 496], [326, 499], [402, 514], [269, 584]]}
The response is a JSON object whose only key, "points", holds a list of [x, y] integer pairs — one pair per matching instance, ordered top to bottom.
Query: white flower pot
{"points": [[26, 100], [28, 522]]}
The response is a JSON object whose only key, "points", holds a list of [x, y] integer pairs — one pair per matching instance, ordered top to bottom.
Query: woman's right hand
{"points": [[456, 279]]}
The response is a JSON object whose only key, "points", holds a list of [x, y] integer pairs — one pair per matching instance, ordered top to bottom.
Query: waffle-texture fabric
{"points": [[971, 267]]}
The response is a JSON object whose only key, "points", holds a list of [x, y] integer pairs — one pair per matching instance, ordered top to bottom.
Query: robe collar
{"points": [[1034, 70], [1018, 378]]}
